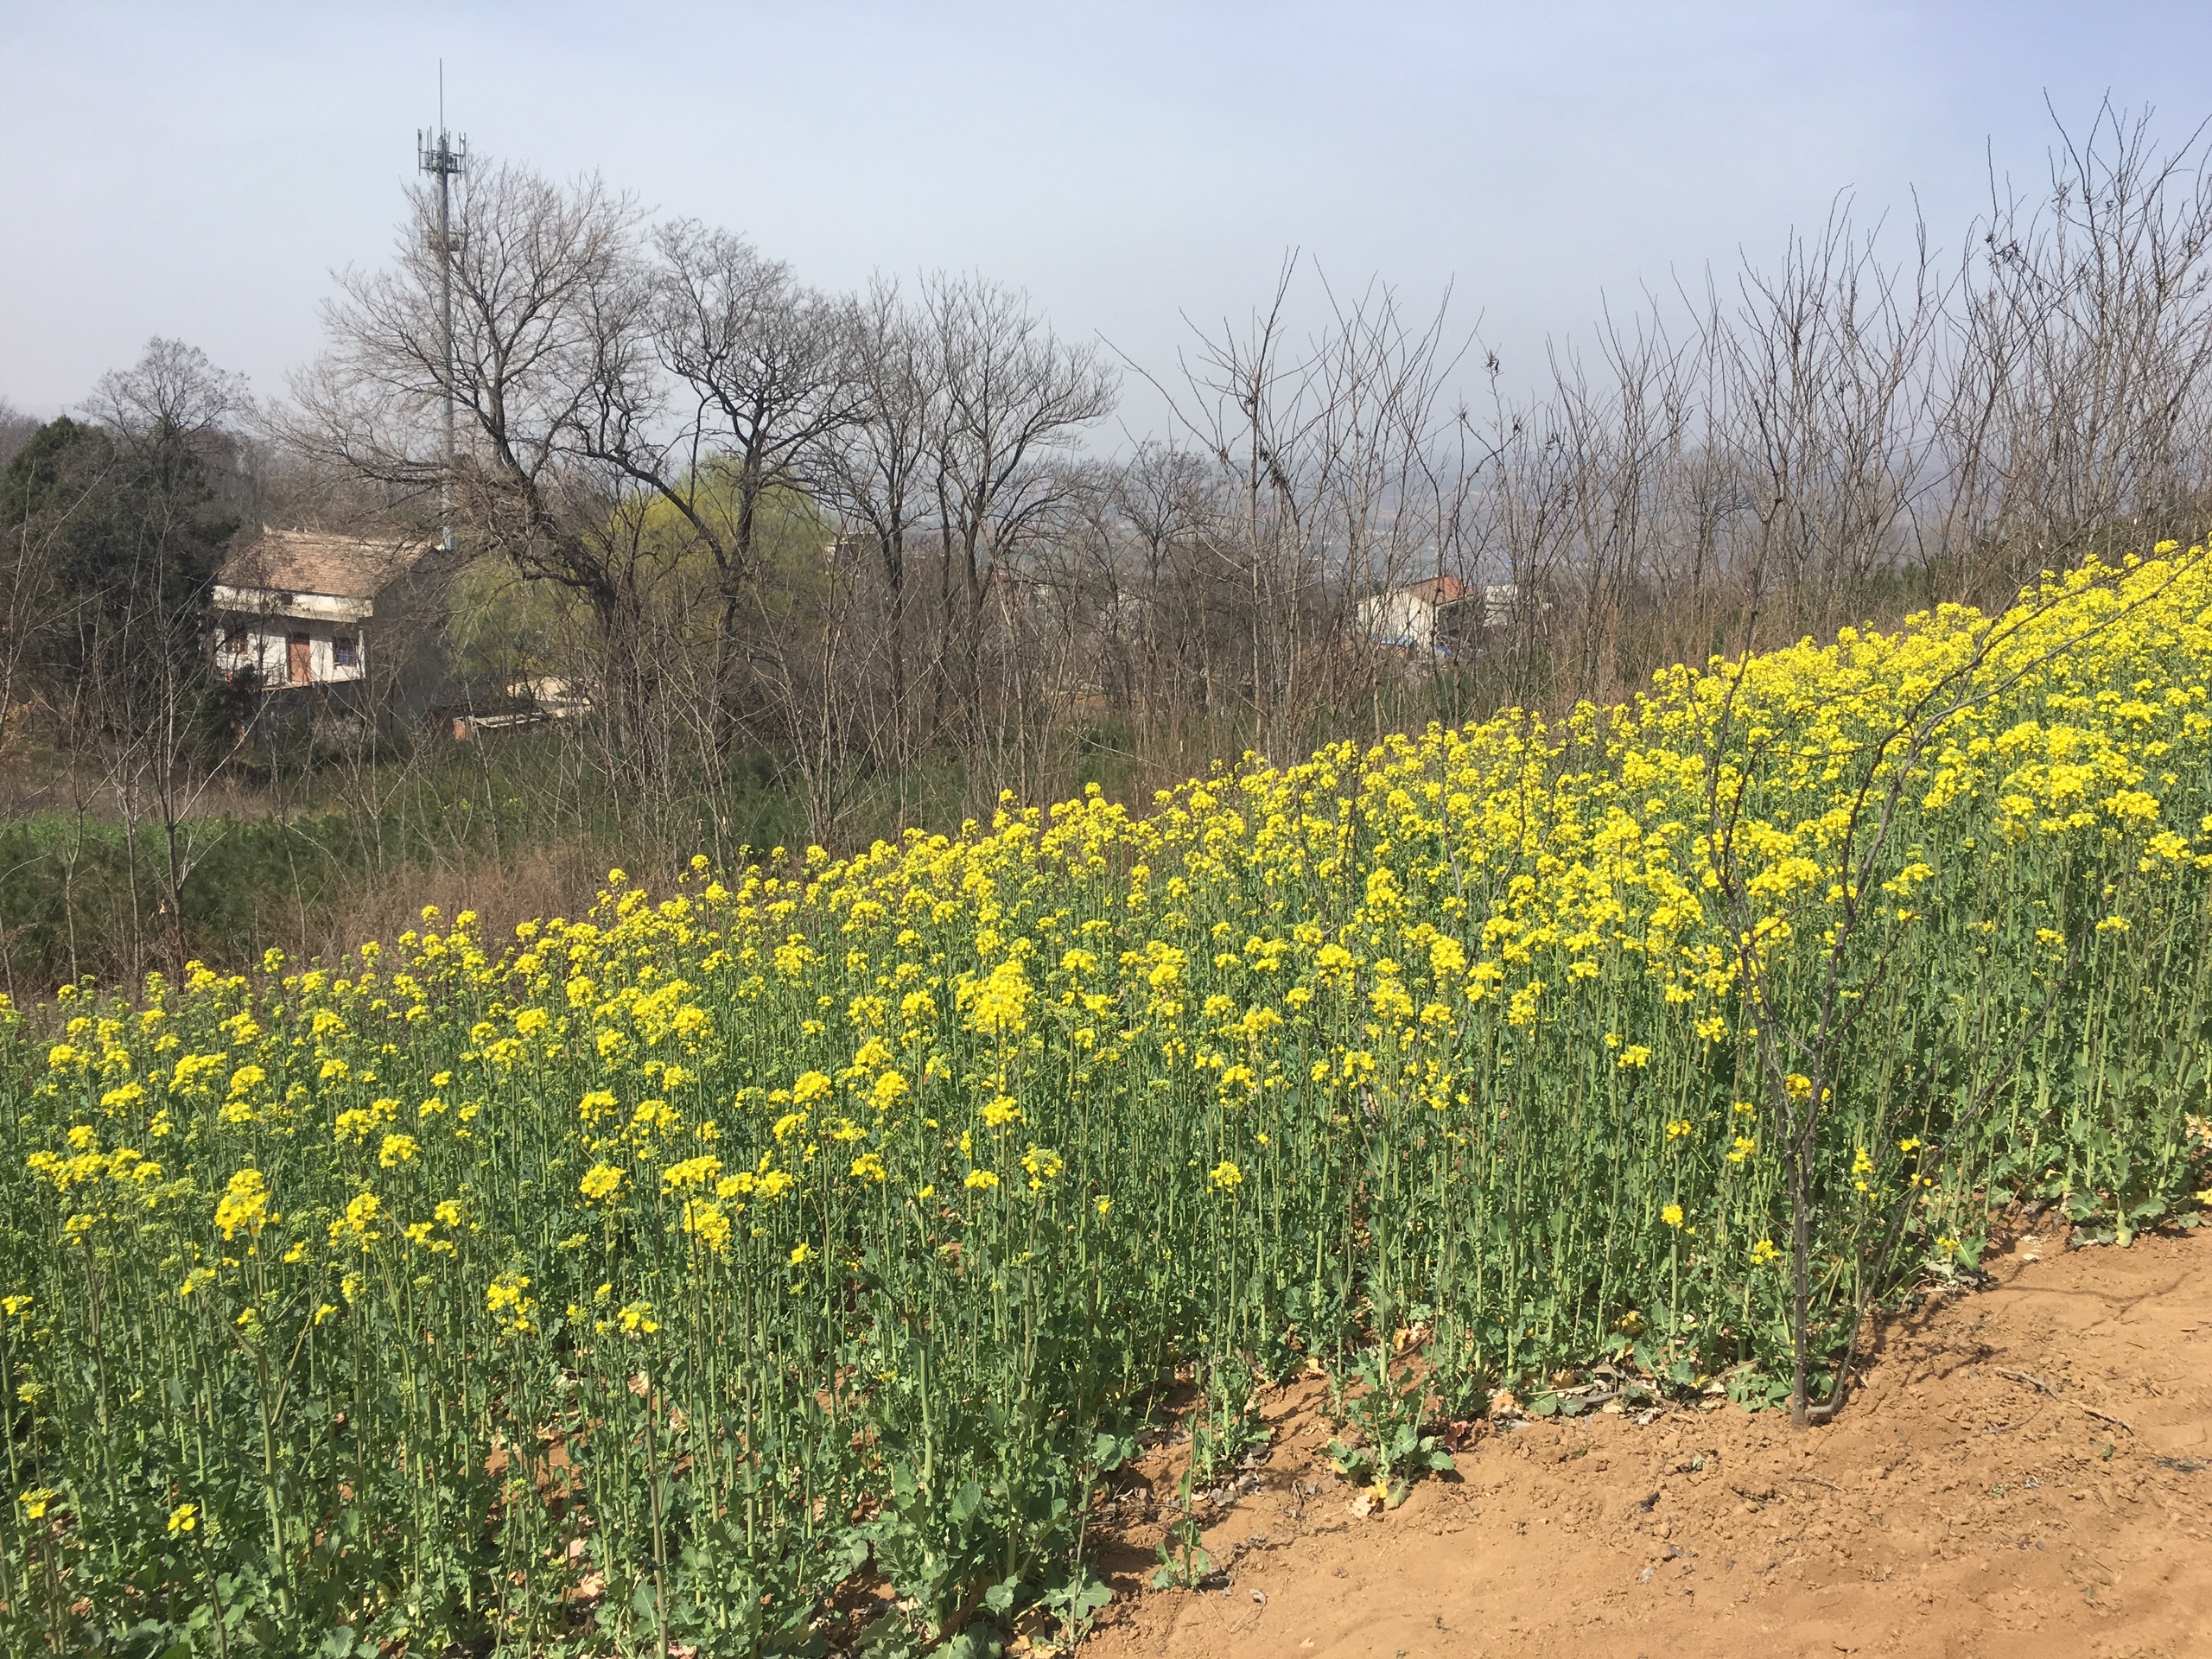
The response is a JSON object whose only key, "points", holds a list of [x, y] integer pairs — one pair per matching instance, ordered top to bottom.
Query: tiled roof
{"points": [[316, 562], [1438, 590]]}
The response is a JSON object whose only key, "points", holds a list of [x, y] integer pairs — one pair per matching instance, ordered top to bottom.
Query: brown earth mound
{"points": [[2026, 1470]]}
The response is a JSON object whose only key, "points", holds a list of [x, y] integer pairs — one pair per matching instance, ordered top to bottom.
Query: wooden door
{"points": [[302, 658]]}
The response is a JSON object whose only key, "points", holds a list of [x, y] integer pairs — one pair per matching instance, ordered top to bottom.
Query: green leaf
{"points": [[976, 1642]]}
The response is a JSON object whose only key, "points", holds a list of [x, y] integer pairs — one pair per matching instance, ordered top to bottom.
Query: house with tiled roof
{"points": [[300, 607], [1440, 615]]}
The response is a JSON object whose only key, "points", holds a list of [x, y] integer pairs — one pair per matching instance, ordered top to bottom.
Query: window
{"points": [[234, 642], [342, 651]]}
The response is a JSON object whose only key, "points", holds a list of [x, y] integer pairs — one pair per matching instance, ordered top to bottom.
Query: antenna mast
{"points": [[436, 154]]}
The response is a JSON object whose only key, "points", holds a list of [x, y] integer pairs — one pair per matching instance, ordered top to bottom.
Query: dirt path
{"points": [[2026, 1471]]}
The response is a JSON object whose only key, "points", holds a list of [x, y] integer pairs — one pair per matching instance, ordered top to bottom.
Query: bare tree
{"points": [[2078, 355], [767, 368], [552, 373], [1014, 394], [1828, 400], [1326, 455], [877, 471], [1160, 497]]}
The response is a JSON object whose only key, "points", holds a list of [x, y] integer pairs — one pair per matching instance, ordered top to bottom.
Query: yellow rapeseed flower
{"points": [[244, 1205]]}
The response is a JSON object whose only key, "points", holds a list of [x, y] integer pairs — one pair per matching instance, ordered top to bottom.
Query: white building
{"points": [[296, 607], [1440, 614]]}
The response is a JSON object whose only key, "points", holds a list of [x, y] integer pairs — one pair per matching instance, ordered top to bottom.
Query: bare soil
{"points": [[2025, 1470]]}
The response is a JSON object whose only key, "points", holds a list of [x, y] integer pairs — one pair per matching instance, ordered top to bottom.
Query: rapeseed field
{"points": [[688, 1273]]}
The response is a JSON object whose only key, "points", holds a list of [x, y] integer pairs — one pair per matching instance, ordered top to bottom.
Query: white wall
{"points": [[1399, 618], [268, 650]]}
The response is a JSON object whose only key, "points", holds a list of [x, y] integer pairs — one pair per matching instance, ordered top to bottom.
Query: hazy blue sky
{"points": [[199, 170]]}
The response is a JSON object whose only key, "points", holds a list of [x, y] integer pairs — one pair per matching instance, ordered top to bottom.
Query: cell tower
{"points": [[438, 155]]}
